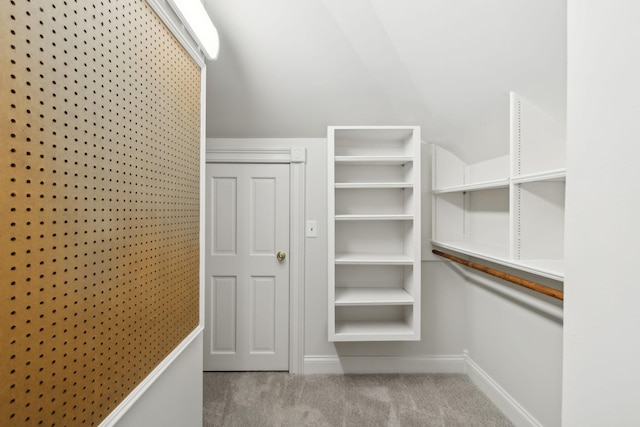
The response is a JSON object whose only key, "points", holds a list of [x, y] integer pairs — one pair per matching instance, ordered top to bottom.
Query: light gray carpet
{"points": [[268, 399]]}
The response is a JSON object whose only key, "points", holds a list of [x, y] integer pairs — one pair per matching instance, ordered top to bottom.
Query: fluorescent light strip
{"points": [[195, 18]]}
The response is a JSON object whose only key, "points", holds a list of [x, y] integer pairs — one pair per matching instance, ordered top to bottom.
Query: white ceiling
{"points": [[290, 68]]}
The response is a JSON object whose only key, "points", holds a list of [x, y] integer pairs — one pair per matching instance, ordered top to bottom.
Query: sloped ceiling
{"points": [[289, 68]]}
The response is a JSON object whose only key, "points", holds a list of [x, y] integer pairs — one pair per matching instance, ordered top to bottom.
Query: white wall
{"points": [[289, 68], [515, 337], [601, 338], [173, 398]]}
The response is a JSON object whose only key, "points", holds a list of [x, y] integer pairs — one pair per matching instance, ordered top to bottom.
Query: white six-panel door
{"points": [[247, 287]]}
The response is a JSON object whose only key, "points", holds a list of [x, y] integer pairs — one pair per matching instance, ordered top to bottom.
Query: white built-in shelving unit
{"points": [[508, 210], [374, 233]]}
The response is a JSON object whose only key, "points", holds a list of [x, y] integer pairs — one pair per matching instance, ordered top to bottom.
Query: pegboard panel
{"points": [[99, 205]]}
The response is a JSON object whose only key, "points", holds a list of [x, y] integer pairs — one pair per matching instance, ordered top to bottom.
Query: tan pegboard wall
{"points": [[99, 205]]}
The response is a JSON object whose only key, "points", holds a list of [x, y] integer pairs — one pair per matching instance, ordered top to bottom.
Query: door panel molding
{"points": [[296, 158], [223, 299]]}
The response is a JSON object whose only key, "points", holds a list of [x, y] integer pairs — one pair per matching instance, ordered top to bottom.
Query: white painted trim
{"points": [[171, 20], [256, 155], [296, 158], [203, 187], [297, 249], [446, 363], [139, 391], [509, 406]]}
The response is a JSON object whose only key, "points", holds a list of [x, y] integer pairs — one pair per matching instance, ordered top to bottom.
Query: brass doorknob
{"points": [[281, 255]]}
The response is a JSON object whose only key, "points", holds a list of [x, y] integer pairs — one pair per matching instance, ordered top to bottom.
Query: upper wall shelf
{"points": [[373, 160], [551, 175], [374, 185], [486, 185], [508, 210], [374, 217], [372, 259], [372, 296]]}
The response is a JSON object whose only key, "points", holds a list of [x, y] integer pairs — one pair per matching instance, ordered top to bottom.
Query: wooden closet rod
{"points": [[505, 276]]}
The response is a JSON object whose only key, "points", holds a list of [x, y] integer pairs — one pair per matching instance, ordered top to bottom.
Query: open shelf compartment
{"points": [[383, 141], [375, 173], [374, 201], [476, 221], [538, 222], [376, 237], [375, 285], [379, 323]]}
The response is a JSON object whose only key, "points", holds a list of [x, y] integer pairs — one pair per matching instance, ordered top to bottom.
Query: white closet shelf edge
{"points": [[373, 160], [553, 175], [374, 185], [477, 186], [374, 217], [374, 259], [552, 269], [352, 296]]}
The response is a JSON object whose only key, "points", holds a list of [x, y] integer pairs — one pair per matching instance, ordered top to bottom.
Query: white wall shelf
{"points": [[373, 160], [554, 175], [374, 185], [487, 185], [508, 210], [374, 217], [374, 240], [484, 250], [373, 259], [553, 269], [347, 296], [374, 330]]}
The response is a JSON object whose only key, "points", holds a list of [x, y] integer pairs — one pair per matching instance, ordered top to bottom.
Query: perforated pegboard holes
{"points": [[99, 209]]}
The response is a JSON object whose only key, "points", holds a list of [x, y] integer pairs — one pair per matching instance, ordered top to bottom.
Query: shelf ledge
{"points": [[373, 160], [553, 175], [374, 185], [477, 186], [374, 217], [372, 259], [552, 269], [349, 296], [376, 330]]}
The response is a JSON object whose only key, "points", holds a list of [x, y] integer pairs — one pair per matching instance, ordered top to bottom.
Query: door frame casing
{"points": [[296, 157]]}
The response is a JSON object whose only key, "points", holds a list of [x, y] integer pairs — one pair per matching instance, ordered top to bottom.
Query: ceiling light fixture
{"points": [[195, 18]]}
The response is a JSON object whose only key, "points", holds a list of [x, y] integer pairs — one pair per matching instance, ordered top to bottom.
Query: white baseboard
{"points": [[384, 364], [509, 406]]}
